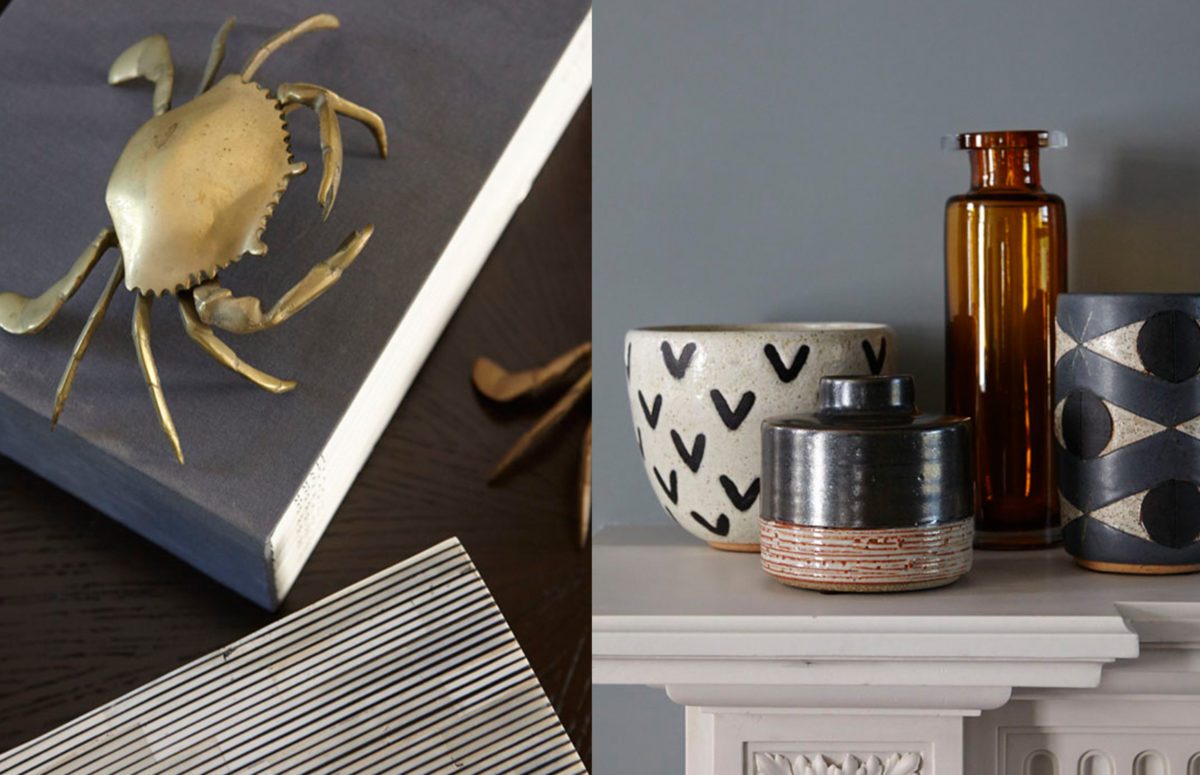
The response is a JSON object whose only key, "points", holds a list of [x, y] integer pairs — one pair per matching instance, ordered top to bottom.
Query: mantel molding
{"points": [[1166, 624], [715, 632], [868, 637], [796, 662], [844, 699], [898, 763]]}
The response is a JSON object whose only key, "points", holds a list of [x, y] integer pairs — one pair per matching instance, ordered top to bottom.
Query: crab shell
{"points": [[194, 187]]}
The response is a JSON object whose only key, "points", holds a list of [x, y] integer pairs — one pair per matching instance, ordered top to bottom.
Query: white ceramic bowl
{"points": [[699, 394]]}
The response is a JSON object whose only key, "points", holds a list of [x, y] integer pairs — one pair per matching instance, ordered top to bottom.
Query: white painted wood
{"points": [[644, 571], [1028, 665], [1098, 729], [753, 742]]}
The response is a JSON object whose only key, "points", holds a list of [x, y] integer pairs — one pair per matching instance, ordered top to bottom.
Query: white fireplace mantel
{"points": [[1027, 665]]}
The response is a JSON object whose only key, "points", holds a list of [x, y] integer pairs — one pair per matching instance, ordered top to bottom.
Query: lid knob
{"points": [[859, 397]]}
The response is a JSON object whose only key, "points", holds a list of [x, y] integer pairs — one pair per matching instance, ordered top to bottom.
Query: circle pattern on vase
{"points": [[699, 394], [1127, 424]]}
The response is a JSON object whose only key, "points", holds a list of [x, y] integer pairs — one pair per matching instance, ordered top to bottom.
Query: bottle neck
{"points": [[1005, 169]]}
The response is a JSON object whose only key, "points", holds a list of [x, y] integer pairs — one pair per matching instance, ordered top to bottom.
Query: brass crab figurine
{"points": [[190, 194]]}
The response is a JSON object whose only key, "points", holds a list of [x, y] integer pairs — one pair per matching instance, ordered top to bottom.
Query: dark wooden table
{"points": [[89, 610]]}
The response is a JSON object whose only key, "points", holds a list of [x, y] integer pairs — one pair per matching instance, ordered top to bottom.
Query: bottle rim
{"points": [[1004, 139]]}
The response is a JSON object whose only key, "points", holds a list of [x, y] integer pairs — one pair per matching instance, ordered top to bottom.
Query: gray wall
{"points": [[779, 160]]}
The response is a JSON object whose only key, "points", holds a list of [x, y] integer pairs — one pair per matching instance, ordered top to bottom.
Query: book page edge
{"points": [[295, 535]]}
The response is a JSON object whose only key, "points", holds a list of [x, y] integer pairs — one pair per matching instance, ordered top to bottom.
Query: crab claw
{"points": [[149, 58], [328, 106], [331, 178]]}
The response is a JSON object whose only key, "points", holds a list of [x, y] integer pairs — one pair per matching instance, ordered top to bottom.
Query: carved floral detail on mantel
{"points": [[845, 764]]}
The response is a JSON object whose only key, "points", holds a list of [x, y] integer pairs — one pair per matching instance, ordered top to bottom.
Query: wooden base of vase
{"points": [[729, 547], [1137, 568]]}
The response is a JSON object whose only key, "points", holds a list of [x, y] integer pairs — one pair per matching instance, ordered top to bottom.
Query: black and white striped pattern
{"points": [[413, 670]]}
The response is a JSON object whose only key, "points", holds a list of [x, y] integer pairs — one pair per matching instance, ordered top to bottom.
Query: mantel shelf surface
{"points": [[670, 611]]}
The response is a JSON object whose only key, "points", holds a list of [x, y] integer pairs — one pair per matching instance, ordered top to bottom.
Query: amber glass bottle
{"points": [[1006, 261]]}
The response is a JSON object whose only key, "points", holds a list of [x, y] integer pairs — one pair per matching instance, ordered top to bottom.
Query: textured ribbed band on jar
{"points": [[865, 559]]}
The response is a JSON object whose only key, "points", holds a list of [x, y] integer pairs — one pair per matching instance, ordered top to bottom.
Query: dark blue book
{"points": [[474, 97]]}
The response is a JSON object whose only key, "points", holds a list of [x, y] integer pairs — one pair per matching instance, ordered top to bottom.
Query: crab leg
{"points": [[322, 21], [216, 55], [149, 58], [307, 94], [328, 106], [331, 155], [218, 306], [24, 315], [85, 339], [141, 340], [223, 353], [499, 384], [543, 426], [585, 487]]}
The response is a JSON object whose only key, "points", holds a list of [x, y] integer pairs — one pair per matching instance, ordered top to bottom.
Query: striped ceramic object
{"points": [[866, 559], [411, 670]]}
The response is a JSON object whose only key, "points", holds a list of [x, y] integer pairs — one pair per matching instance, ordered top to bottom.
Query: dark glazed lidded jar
{"points": [[1006, 262], [867, 495]]}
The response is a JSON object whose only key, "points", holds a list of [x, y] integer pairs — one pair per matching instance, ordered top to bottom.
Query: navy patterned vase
{"points": [[1127, 424]]}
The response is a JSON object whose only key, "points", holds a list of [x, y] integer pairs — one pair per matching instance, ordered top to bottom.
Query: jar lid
{"points": [[867, 459]]}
